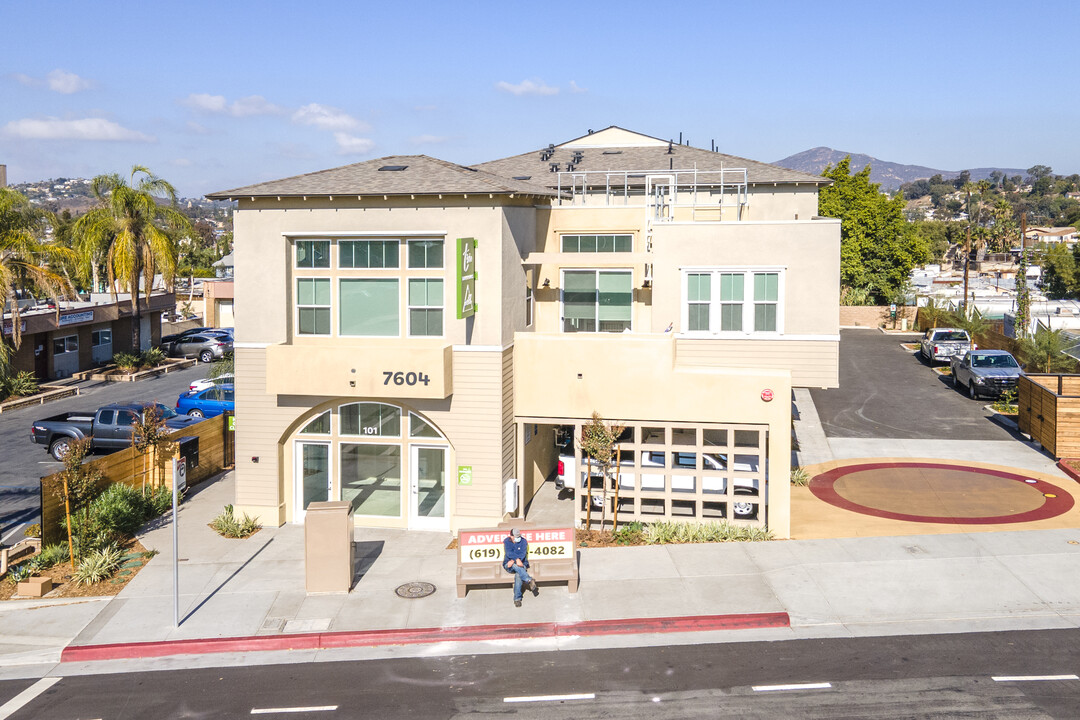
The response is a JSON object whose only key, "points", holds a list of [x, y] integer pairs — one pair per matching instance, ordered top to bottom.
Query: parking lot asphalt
{"points": [[887, 391], [22, 463]]}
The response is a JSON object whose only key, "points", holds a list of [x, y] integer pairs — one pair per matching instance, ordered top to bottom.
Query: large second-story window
{"points": [[597, 300], [732, 301], [313, 306], [369, 307]]}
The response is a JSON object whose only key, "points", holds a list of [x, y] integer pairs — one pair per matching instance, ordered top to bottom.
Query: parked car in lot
{"points": [[940, 344], [205, 346], [985, 372], [225, 379], [209, 402], [109, 428], [682, 481]]}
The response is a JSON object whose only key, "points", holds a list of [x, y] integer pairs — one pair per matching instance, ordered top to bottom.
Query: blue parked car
{"points": [[206, 403]]}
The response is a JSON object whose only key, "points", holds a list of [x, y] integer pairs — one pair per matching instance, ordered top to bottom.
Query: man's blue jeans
{"points": [[521, 577]]}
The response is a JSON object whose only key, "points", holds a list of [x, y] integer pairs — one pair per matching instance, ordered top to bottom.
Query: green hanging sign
{"points": [[466, 277]]}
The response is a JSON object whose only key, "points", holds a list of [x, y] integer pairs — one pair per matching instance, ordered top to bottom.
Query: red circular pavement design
{"points": [[823, 487]]}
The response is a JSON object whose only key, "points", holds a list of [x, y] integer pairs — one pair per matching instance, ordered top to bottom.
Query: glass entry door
{"points": [[313, 469], [428, 488]]}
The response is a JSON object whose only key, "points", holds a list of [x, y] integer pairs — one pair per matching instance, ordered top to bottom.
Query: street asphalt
{"points": [[887, 391], [22, 462], [984, 675]]}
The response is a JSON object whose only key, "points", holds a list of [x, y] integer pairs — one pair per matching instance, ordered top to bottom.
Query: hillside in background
{"points": [[891, 175]]}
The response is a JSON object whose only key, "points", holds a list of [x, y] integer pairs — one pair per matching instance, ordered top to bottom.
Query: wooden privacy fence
{"points": [[1048, 409], [142, 469]]}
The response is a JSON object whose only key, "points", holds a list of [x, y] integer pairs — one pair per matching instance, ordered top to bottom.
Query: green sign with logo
{"points": [[466, 277], [232, 423], [464, 474]]}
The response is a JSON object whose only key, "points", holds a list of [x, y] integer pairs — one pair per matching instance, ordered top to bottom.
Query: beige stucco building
{"points": [[410, 333]]}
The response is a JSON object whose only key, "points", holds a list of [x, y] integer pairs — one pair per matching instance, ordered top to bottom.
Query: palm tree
{"points": [[131, 232], [26, 261], [1044, 352]]}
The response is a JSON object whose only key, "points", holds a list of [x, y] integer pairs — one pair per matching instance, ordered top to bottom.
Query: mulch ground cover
{"points": [[63, 587]]}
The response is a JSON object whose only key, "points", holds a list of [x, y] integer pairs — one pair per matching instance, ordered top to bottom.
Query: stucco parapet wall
{"points": [[341, 368], [634, 377]]}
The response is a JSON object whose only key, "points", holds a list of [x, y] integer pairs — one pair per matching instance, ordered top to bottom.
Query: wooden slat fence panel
{"points": [[1049, 411], [139, 470]]}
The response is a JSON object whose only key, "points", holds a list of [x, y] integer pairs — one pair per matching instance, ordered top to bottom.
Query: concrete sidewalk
{"points": [[829, 588]]}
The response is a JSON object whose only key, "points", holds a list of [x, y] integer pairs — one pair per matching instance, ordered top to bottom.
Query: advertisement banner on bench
{"points": [[479, 546]]}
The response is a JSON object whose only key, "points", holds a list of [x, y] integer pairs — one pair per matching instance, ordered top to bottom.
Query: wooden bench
{"points": [[552, 557]]}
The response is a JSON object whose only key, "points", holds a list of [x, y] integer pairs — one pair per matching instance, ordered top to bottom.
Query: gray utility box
{"points": [[328, 547]]}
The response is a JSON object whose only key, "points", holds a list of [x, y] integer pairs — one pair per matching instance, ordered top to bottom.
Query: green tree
{"points": [[136, 229], [878, 247], [26, 262], [1059, 272], [1044, 352]]}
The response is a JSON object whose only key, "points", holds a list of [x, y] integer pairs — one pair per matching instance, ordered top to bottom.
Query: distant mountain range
{"points": [[891, 175]]}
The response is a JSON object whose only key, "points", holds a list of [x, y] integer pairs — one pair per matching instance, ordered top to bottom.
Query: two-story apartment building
{"points": [[410, 332]]}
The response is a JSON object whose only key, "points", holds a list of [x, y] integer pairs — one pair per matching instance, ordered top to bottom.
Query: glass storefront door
{"points": [[313, 469], [428, 488]]}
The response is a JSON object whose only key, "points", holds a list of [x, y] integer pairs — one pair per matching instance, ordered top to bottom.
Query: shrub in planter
{"points": [[151, 358], [126, 361], [21, 384], [799, 477], [228, 525], [33, 531], [52, 555], [98, 565]]}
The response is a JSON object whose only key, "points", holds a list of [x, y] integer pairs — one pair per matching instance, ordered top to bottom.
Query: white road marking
{"points": [[17, 529], [1025, 678], [799, 686], [549, 698], [19, 701], [313, 708]]}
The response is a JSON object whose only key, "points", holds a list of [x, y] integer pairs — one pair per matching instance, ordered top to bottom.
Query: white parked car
{"points": [[226, 379]]}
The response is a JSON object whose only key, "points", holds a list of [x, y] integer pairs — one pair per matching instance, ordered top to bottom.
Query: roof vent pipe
{"points": [[680, 138], [669, 150]]}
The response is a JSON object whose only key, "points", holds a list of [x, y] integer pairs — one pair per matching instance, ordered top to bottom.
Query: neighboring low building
{"points": [[1051, 235], [218, 303], [413, 332], [79, 335]]}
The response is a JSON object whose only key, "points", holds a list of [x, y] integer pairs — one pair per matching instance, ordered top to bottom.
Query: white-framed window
{"points": [[597, 243], [313, 253], [369, 253], [425, 254], [597, 300], [733, 300], [313, 306], [369, 307], [425, 307], [98, 338], [66, 344]]}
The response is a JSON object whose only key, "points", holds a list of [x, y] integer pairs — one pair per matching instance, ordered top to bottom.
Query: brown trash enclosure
{"points": [[1048, 409], [141, 469]]}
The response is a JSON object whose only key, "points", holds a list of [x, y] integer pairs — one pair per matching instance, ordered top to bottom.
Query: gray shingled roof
{"points": [[642, 159], [422, 175]]}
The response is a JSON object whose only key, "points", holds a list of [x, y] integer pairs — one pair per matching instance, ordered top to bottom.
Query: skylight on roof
{"points": [[612, 152], [392, 168], [523, 177]]}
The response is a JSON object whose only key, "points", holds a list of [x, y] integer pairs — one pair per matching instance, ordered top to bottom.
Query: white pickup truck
{"points": [[941, 344], [682, 466]]}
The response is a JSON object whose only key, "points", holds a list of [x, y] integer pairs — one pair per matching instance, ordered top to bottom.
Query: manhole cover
{"points": [[415, 590]]}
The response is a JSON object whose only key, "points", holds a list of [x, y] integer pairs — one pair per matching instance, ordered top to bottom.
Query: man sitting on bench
{"points": [[516, 560]]}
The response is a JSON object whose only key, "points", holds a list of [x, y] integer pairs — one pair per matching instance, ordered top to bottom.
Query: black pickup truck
{"points": [[108, 429]]}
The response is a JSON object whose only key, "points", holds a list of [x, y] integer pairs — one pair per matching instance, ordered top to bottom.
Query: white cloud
{"points": [[24, 79], [67, 83], [527, 87], [575, 88], [254, 105], [244, 107], [325, 117], [52, 128], [196, 129], [428, 139], [352, 145], [182, 162]]}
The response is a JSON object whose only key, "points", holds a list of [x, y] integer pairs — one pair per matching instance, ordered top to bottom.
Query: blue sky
{"points": [[216, 95]]}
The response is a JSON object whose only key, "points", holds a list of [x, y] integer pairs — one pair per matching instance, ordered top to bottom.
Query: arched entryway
{"points": [[389, 462]]}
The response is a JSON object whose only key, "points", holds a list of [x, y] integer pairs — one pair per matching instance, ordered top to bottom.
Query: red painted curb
{"points": [[1067, 469], [375, 638]]}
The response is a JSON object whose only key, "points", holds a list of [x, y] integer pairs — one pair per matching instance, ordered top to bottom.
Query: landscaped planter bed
{"points": [[111, 373], [44, 395], [63, 587]]}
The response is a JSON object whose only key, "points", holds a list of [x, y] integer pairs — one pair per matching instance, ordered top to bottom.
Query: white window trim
{"points": [[329, 253], [589, 253], [408, 255], [403, 298], [562, 298], [748, 302], [530, 304], [297, 306], [409, 307], [99, 332], [65, 338]]}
